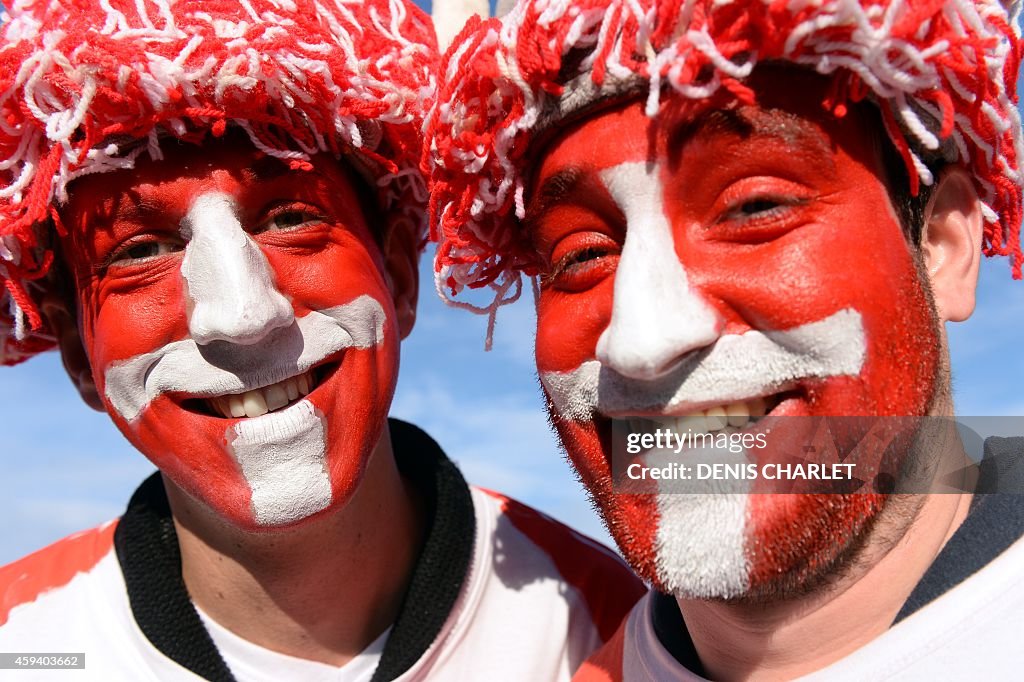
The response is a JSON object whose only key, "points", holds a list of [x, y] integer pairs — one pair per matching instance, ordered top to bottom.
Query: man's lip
{"points": [[772, 403], [206, 405]]}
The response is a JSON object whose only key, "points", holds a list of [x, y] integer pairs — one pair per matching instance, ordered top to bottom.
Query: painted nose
{"points": [[230, 283], [657, 318]]}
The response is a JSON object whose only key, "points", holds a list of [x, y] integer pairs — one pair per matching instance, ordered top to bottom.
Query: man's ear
{"points": [[951, 244], [401, 260], [72, 352]]}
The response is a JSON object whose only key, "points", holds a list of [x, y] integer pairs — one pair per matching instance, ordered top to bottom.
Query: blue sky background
{"points": [[65, 467]]}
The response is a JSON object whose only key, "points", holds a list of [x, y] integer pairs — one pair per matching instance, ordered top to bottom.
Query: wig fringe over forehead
{"points": [[943, 73], [86, 86]]}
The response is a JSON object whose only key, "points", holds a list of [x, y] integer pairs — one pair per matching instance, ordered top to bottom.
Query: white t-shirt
{"points": [[537, 599], [972, 632], [248, 661]]}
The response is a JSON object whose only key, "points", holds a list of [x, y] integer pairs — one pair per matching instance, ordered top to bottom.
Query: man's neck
{"points": [[322, 591], [786, 639]]}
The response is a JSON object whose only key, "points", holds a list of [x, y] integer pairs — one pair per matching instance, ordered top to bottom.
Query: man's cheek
{"points": [[343, 269], [783, 284], [130, 324], [569, 325], [903, 360], [585, 447], [193, 455], [633, 520]]}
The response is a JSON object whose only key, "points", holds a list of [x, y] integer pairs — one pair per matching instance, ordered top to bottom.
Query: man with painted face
{"points": [[741, 209], [215, 212]]}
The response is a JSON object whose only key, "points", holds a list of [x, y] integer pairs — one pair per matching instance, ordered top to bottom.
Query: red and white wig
{"points": [[942, 72], [86, 87]]}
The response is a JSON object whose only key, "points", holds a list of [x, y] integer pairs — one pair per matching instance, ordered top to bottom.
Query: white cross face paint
{"points": [[230, 284], [656, 317], [240, 325], [736, 368], [203, 372], [283, 458], [699, 539], [701, 544]]}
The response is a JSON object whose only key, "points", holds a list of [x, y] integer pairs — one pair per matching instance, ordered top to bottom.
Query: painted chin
{"points": [[301, 448], [795, 541], [750, 546]]}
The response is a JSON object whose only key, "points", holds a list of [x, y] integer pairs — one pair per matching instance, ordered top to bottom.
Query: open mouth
{"points": [[264, 400], [726, 417]]}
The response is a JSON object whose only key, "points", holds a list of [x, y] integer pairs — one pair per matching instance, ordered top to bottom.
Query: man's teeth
{"points": [[260, 401], [717, 418]]}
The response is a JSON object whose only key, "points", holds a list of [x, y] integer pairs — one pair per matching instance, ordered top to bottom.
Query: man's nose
{"points": [[231, 286], [657, 318]]}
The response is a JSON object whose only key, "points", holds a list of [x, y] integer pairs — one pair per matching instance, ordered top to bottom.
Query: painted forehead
{"points": [[797, 132], [623, 134], [244, 164], [570, 170], [156, 190]]}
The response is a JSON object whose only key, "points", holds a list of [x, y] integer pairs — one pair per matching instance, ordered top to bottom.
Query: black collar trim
{"points": [[995, 521], [147, 550], [672, 633]]}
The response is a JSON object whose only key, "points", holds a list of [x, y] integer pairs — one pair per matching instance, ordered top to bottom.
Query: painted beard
{"points": [[734, 544], [737, 544]]}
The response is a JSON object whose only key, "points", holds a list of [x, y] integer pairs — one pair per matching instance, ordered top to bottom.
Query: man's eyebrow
{"points": [[713, 122], [748, 123], [267, 168], [574, 184], [131, 205]]}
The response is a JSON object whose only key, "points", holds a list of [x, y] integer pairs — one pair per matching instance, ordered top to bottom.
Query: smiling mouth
{"points": [[260, 401], [726, 417]]}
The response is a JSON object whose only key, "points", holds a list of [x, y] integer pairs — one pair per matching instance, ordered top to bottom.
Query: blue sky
{"points": [[68, 468]]}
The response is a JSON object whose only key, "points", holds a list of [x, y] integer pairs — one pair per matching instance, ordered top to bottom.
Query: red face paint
{"points": [[759, 218], [218, 272]]}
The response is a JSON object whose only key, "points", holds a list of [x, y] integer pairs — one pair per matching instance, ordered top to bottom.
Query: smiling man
{"points": [[215, 212], [744, 217]]}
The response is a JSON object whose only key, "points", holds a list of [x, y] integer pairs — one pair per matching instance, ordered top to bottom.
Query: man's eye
{"points": [[760, 207], [289, 220], [142, 251], [580, 256], [582, 267]]}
